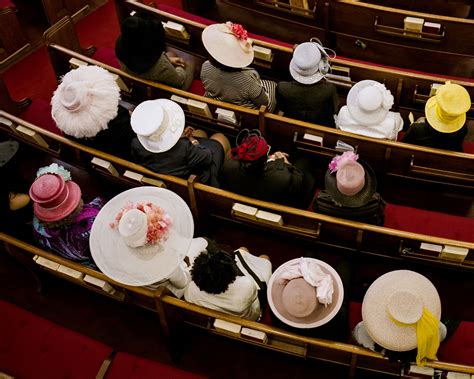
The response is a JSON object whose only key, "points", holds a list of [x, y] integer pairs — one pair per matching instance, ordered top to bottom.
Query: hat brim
{"points": [[225, 48], [303, 79], [358, 114], [438, 124], [173, 132], [360, 198], [63, 210], [150, 263], [321, 315], [377, 321]]}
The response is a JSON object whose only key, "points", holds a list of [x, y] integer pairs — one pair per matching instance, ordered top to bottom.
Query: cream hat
{"points": [[225, 46], [309, 63], [85, 101], [369, 102], [158, 124], [146, 264], [398, 297]]}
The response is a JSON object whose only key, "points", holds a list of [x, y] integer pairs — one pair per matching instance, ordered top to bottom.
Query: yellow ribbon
{"points": [[427, 336]]}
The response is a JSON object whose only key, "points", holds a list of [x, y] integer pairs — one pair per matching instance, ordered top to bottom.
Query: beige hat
{"points": [[228, 44], [85, 101], [158, 124], [394, 298]]}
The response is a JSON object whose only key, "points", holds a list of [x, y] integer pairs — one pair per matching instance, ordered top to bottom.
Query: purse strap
{"points": [[261, 284]]}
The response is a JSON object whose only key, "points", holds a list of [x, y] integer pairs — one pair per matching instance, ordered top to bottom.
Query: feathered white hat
{"points": [[85, 101]]}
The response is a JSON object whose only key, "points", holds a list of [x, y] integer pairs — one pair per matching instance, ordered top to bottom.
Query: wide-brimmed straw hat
{"points": [[141, 43], [228, 44], [309, 63], [85, 101], [369, 102], [446, 111], [158, 124], [352, 184], [53, 197], [149, 263], [395, 299], [296, 302]]}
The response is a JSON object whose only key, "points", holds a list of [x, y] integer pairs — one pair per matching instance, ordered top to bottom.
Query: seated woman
{"points": [[141, 50], [225, 75], [309, 97], [86, 108], [368, 112], [445, 126], [163, 144], [251, 172], [351, 191], [62, 222], [228, 282]]}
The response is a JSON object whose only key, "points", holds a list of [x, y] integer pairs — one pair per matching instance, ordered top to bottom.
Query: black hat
{"points": [[141, 43]]}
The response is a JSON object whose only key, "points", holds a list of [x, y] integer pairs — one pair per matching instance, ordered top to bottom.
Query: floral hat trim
{"points": [[241, 34], [339, 160], [56, 169], [159, 222]]}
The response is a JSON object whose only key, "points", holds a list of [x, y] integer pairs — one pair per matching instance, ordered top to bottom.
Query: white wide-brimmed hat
{"points": [[228, 44], [309, 63], [85, 101], [369, 102], [158, 124], [150, 263], [394, 299], [297, 301]]}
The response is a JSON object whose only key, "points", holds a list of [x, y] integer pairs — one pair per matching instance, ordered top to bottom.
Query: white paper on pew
{"points": [[342, 146], [428, 371]]}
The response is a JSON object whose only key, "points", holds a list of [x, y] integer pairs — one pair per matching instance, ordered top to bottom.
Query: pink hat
{"points": [[350, 178], [53, 198]]}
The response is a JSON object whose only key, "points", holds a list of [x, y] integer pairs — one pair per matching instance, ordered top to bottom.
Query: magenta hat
{"points": [[53, 198]]}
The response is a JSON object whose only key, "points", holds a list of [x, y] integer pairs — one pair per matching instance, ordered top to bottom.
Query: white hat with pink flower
{"points": [[141, 236]]}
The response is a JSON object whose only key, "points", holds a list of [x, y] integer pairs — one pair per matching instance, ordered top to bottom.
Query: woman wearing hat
{"points": [[141, 50], [225, 75], [309, 97], [86, 108], [368, 112], [445, 126], [163, 145], [252, 172], [351, 191], [62, 221], [228, 282], [401, 313]]}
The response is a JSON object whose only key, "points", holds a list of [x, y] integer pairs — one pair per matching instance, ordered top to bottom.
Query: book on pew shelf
{"points": [[414, 24], [431, 27], [176, 30], [262, 53], [75, 63], [339, 73], [120, 83], [433, 88], [179, 99], [199, 108], [226, 116], [8, 123], [32, 136], [313, 138], [341, 146], [106, 165], [133, 176], [154, 182], [245, 211], [269, 218], [430, 249], [454, 253], [35, 257], [47, 263], [70, 272], [102, 284], [227, 327], [253, 334], [421, 371], [457, 375]]}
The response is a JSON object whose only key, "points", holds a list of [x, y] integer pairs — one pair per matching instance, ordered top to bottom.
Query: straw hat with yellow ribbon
{"points": [[446, 111], [401, 311]]}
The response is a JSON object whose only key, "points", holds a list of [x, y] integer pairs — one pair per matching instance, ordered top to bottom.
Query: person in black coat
{"points": [[254, 173]]}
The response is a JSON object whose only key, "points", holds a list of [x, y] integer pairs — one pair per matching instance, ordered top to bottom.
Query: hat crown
{"points": [[307, 56], [72, 97], [370, 99], [453, 99], [147, 118], [350, 178], [47, 188], [133, 227], [299, 298], [405, 307]]}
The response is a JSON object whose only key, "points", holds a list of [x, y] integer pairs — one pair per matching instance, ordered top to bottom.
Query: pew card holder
{"points": [[410, 34]]}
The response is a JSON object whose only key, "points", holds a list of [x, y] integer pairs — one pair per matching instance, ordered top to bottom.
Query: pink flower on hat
{"points": [[238, 31], [339, 160]]}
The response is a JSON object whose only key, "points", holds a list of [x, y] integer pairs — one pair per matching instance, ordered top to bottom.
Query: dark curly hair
{"points": [[214, 270]]}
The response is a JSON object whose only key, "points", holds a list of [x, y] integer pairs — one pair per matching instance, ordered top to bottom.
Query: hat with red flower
{"points": [[251, 146]]}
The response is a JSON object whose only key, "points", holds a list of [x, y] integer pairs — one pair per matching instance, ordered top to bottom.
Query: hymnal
{"points": [[414, 24], [431, 27], [176, 30], [262, 53], [434, 87], [179, 99], [199, 108], [226, 116], [8, 123], [32, 136], [313, 138], [106, 165], [133, 176], [243, 210], [269, 218], [430, 249], [454, 253], [47, 263], [70, 272], [102, 284], [226, 326], [253, 334], [424, 371], [457, 375]]}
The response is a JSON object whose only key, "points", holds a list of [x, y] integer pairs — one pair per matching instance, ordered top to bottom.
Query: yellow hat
{"points": [[446, 111]]}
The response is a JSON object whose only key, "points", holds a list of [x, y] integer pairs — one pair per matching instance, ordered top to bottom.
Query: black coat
{"points": [[423, 134]]}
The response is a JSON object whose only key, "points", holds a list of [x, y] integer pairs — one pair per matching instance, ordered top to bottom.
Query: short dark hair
{"points": [[214, 270]]}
